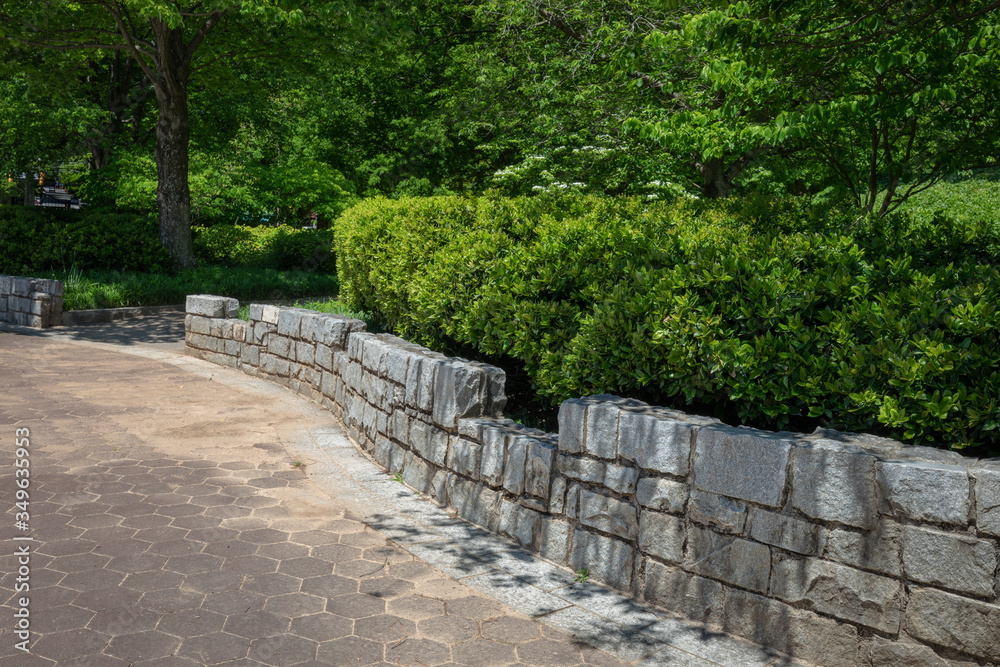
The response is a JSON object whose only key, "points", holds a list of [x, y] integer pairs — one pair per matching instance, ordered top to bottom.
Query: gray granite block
{"points": [[742, 463], [924, 491]]}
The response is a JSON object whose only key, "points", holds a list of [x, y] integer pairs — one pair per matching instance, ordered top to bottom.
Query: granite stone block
{"points": [[655, 442], [742, 463], [833, 481], [924, 491], [665, 495], [723, 514], [608, 515], [786, 532], [661, 535], [607, 559], [730, 559], [956, 561], [840, 591], [957, 622]]}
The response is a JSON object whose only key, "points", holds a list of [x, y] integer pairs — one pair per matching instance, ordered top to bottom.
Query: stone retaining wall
{"points": [[33, 302], [836, 549]]}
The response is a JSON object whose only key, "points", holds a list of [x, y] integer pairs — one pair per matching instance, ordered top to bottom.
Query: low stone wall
{"points": [[33, 302], [836, 549]]}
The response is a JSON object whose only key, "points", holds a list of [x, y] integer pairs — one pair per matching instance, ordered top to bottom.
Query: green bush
{"points": [[34, 240], [283, 248], [766, 313]]}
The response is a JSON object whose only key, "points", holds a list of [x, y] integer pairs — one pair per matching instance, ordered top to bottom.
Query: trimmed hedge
{"points": [[34, 240], [282, 248], [759, 312]]}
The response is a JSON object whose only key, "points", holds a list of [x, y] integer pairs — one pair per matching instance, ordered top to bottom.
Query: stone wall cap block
{"points": [[208, 305], [270, 314], [742, 463], [835, 481]]}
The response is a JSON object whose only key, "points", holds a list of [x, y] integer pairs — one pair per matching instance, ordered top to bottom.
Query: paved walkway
{"points": [[186, 514]]}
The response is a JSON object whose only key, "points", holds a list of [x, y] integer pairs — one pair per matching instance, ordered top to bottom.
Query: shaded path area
{"points": [[172, 527]]}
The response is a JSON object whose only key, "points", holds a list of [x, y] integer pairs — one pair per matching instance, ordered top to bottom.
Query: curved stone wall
{"points": [[836, 549]]}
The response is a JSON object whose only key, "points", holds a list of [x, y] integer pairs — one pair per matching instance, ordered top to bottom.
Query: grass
{"points": [[115, 289]]}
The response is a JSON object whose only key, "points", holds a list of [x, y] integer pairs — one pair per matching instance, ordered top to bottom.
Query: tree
{"points": [[169, 43], [887, 95]]}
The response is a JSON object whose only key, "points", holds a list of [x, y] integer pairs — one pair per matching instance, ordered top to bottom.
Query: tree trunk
{"points": [[715, 179], [29, 190], [173, 195]]}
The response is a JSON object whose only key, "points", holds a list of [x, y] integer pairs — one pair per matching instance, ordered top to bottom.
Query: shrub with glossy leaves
{"points": [[765, 313]]}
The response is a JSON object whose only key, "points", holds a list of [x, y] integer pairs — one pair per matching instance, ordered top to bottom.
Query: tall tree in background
{"points": [[169, 43], [879, 93]]}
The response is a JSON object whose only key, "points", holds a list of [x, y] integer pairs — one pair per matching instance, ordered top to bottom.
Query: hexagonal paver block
{"points": [[181, 510], [95, 521], [143, 521], [196, 522], [163, 533], [264, 536], [314, 538], [66, 547], [175, 548], [229, 548], [283, 551], [77, 563], [133, 563], [194, 563], [250, 565], [305, 567], [359, 568], [153, 580], [86, 581], [213, 582], [271, 584], [329, 586], [386, 587], [108, 598], [171, 600], [234, 602], [294, 605], [355, 605], [415, 607], [475, 607], [58, 619], [129, 620], [191, 623], [254, 624], [322, 627], [384, 628], [451, 629], [511, 630], [69, 644], [148, 645], [214, 648], [283, 650], [350, 651], [417, 651], [484, 652], [548, 652]]}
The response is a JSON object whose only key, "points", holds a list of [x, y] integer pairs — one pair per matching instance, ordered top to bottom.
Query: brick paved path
{"points": [[172, 528]]}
